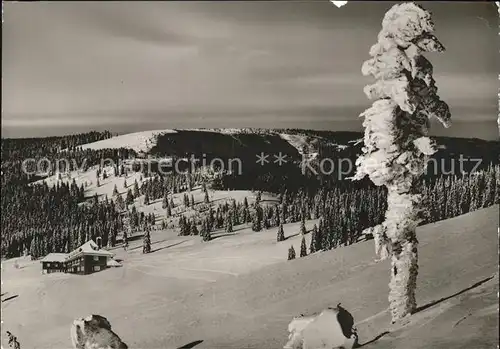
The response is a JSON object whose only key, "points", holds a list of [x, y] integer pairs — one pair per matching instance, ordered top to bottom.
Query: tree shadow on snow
{"points": [[222, 235], [153, 243], [164, 247], [477, 284], [9, 298], [428, 305], [373, 340], [191, 345]]}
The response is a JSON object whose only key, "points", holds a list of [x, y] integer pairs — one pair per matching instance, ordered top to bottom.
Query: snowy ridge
{"points": [[137, 141], [144, 141]]}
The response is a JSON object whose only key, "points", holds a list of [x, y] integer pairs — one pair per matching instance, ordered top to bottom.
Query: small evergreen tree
{"points": [[136, 190], [115, 191], [130, 197], [207, 198], [258, 198], [146, 199], [164, 203], [120, 204], [257, 218], [228, 224], [194, 229], [303, 229], [281, 234], [207, 236], [125, 237], [314, 237], [111, 242], [146, 242], [303, 247], [291, 253]]}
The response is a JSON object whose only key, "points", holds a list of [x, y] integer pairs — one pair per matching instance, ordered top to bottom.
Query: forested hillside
{"points": [[39, 219]]}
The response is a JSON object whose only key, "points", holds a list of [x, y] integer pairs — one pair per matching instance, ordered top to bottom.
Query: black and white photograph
{"points": [[287, 174]]}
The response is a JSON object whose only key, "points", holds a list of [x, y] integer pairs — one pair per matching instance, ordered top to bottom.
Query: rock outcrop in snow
{"points": [[396, 147], [330, 329], [94, 332]]}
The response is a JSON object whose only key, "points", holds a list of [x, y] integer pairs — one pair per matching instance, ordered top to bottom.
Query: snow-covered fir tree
{"points": [[396, 143]]}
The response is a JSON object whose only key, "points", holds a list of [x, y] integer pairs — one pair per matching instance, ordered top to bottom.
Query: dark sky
{"points": [[130, 66]]}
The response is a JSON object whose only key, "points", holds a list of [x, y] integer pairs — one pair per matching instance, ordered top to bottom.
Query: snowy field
{"points": [[238, 291]]}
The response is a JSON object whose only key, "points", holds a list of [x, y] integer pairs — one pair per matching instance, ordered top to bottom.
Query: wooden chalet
{"points": [[86, 259], [53, 263]]}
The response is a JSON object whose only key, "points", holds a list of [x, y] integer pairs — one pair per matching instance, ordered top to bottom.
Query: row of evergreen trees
{"points": [[444, 198]]}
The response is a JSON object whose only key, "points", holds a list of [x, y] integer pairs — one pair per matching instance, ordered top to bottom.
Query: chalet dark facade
{"points": [[86, 259], [53, 263], [86, 264]]}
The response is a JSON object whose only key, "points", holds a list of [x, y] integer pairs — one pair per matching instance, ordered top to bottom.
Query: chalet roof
{"points": [[89, 248], [54, 257]]}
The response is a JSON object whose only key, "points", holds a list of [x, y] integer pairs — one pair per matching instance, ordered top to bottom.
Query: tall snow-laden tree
{"points": [[396, 146]]}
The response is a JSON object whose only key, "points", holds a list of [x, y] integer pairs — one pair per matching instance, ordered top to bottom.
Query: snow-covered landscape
{"points": [[194, 175], [238, 292]]}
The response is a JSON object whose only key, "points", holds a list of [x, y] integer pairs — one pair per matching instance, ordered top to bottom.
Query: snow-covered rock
{"points": [[333, 328], [94, 332]]}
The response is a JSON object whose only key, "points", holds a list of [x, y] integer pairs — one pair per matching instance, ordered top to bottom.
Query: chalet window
{"points": [[96, 258], [48, 265], [97, 268]]}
